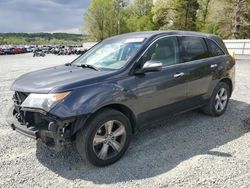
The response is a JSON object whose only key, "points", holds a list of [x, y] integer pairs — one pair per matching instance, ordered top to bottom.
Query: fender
{"points": [[228, 78], [87, 100]]}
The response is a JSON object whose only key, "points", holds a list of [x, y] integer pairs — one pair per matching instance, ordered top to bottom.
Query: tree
{"points": [[204, 5], [119, 8], [163, 12], [176, 14], [202, 14], [138, 16], [185, 16], [240, 17], [103, 18], [226, 18], [219, 20], [235, 20], [143, 23], [245, 29]]}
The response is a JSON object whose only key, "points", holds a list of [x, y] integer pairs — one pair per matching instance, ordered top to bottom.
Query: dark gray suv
{"points": [[120, 85]]}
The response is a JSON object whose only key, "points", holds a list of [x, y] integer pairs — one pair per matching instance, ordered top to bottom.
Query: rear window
{"points": [[193, 48], [215, 50]]}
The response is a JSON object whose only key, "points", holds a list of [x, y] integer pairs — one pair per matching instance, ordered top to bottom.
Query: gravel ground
{"points": [[191, 150]]}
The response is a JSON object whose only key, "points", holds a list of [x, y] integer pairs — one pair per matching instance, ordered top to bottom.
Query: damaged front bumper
{"points": [[38, 124]]}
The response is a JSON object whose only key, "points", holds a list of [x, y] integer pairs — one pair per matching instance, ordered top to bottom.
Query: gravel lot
{"points": [[191, 150]]}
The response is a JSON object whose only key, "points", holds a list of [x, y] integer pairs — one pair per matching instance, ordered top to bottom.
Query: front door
{"points": [[158, 93]]}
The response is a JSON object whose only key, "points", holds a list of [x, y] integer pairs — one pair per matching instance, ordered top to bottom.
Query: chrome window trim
{"points": [[166, 36]]}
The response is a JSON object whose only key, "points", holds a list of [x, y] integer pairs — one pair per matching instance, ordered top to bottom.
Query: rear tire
{"points": [[218, 102], [105, 137]]}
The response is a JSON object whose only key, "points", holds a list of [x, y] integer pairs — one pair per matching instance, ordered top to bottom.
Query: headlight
{"points": [[43, 101]]}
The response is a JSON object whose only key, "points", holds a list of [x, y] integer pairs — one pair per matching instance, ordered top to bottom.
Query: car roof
{"points": [[149, 34]]}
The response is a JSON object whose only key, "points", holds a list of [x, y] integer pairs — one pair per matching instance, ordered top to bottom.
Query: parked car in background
{"points": [[29, 49], [46, 49], [7, 50], [12, 50], [18, 50], [1, 51], [38, 53], [118, 87]]}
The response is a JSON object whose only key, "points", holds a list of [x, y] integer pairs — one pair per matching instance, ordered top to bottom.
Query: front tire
{"points": [[218, 102], [105, 137]]}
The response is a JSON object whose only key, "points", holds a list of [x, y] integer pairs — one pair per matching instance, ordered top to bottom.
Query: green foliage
{"points": [[163, 14], [176, 14], [185, 14], [202, 14], [139, 16], [103, 18], [106, 18], [221, 18], [245, 20], [143, 23], [40, 38]]}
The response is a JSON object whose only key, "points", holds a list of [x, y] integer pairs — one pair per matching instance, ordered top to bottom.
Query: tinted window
{"points": [[193, 48], [214, 49], [164, 50]]}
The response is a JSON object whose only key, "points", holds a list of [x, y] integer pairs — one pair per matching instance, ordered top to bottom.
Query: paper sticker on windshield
{"points": [[134, 40]]}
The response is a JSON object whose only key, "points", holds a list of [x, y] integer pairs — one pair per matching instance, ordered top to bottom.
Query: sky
{"points": [[42, 15]]}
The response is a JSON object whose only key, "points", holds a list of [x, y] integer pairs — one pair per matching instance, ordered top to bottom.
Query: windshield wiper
{"points": [[67, 64], [89, 66]]}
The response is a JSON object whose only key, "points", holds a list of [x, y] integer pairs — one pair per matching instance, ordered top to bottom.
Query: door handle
{"points": [[214, 66], [178, 75]]}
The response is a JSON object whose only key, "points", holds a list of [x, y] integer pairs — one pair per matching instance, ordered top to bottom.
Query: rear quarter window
{"points": [[193, 48], [215, 50]]}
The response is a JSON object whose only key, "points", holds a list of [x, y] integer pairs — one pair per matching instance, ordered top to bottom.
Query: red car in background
{"points": [[18, 50]]}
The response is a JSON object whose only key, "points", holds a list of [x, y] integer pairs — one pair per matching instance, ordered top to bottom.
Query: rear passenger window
{"points": [[193, 48], [214, 49]]}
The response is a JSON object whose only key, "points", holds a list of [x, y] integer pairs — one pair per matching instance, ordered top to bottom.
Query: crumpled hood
{"points": [[57, 79]]}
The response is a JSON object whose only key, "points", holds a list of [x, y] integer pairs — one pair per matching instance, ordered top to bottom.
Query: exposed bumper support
{"points": [[55, 133]]}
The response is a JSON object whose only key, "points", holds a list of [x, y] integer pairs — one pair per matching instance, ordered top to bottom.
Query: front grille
{"points": [[19, 97]]}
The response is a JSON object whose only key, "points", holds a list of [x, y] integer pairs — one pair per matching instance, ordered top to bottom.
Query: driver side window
{"points": [[165, 50]]}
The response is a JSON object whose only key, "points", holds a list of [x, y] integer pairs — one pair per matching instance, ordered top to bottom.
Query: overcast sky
{"points": [[42, 15]]}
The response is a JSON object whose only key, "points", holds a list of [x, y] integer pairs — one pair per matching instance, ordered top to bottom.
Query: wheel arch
{"points": [[229, 82], [116, 106], [123, 109]]}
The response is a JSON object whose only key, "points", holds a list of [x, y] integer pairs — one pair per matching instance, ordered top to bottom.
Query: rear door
{"points": [[217, 56], [219, 62], [200, 69]]}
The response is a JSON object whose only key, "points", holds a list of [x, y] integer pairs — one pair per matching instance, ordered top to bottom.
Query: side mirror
{"points": [[150, 66]]}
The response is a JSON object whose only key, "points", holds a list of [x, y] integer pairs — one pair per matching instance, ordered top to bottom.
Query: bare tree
{"points": [[239, 10]]}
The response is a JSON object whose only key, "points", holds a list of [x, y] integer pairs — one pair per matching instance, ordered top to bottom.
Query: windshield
{"points": [[111, 53]]}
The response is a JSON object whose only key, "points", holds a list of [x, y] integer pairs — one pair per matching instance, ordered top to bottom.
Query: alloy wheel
{"points": [[221, 100], [109, 139]]}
